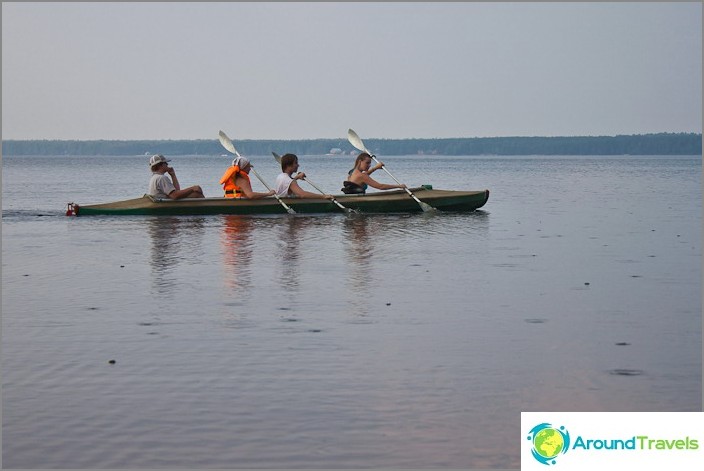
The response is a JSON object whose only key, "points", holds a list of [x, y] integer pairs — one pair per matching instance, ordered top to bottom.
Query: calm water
{"points": [[336, 341]]}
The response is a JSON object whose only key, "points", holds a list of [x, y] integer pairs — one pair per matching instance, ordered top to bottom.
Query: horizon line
{"points": [[344, 138]]}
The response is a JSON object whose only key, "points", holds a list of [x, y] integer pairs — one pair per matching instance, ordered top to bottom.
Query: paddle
{"points": [[227, 144], [359, 145], [349, 210]]}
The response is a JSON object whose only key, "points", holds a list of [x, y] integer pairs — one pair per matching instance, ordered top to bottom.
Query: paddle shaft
{"points": [[407, 190], [339, 205], [288, 208]]}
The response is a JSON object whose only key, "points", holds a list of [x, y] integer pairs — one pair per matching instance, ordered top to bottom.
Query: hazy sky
{"points": [[313, 70]]}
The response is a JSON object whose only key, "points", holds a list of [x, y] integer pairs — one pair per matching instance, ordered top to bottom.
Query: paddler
{"points": [[359, 178], [235, 181], [286, 182]]}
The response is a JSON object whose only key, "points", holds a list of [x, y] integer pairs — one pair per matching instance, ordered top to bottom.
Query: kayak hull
{"points": [[396, 201]]}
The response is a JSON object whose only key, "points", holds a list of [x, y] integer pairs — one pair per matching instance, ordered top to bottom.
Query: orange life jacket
{"points": [[228, 182]]}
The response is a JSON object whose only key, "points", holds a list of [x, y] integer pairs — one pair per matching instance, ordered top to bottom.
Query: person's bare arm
{"points": [[174, 178], [379, 186], [248, 192], [301, 193]]}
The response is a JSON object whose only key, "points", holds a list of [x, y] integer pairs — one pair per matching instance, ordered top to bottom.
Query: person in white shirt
{"points": [[287, 185], [163, 187]]}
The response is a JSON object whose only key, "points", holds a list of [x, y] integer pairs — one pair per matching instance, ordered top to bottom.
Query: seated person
{"points": [[359, 178], [235, 181], [286, 184], [160, 186]]}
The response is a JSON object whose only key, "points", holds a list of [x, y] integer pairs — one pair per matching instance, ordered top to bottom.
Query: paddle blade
{"points": [[356, 141], [227, 143], [276, 156], [426, 207]]}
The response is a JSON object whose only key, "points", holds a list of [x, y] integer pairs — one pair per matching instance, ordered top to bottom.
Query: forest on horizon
{"points": [[637, 144]]}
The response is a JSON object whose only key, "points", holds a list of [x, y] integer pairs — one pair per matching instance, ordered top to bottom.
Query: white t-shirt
{"points": [[283, 182], [160, 186]]}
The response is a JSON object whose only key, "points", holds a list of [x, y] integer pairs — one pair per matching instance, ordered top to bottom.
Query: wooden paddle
{"points": [[356, 141], [227, 144], [339, 205]]}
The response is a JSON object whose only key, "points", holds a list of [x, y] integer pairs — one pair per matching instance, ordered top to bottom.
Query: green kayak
{"points": [[395, 201]]}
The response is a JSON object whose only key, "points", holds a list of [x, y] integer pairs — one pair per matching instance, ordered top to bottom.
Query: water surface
{"points": [[335, 341]]}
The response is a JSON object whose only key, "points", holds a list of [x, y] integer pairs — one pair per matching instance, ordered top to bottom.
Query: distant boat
{"points": [[335, 151]]}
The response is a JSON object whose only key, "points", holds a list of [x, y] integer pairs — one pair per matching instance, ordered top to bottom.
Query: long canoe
{"points": [[395, 201]]}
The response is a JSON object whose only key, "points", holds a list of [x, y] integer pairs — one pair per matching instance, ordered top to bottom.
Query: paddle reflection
{"points": [[172, 238]]}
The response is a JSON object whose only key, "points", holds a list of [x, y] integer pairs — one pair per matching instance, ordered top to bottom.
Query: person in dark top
{"points": [[359, 180]]}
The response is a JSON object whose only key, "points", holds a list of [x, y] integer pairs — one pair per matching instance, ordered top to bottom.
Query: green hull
{"points": [[397, 201]]}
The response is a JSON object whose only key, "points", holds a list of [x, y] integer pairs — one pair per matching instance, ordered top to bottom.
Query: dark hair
{"points": [[288, 159]]}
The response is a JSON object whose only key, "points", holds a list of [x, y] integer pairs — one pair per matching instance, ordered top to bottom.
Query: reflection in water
{"points": [[360, 234], [171, 237], [236, 241], [381, 247], [290, 255]]}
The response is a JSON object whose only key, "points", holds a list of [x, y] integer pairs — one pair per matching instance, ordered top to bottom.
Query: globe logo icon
{"points": [[549, 442]]}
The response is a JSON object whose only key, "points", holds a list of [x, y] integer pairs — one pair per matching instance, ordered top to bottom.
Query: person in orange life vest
{"points": [[359, 178], [235, 181], [286, 185], [160, 186]]}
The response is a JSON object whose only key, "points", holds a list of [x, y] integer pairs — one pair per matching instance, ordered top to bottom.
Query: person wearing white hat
{"points": [[163, 187]]}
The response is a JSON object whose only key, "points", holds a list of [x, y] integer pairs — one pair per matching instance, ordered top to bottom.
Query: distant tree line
{"points": [[639, 144]]}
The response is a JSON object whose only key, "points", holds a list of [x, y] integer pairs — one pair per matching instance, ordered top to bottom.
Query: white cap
{"points": [[157, 159], [240, 162]]}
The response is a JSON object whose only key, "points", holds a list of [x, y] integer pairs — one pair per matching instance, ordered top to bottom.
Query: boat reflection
{"points": [[360, 232], [171, 237], [380, 248], [237, 249], [289, 251]]}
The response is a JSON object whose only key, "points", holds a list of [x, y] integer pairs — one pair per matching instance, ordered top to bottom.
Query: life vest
{"points": [[228, 182], [351, 188]]}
